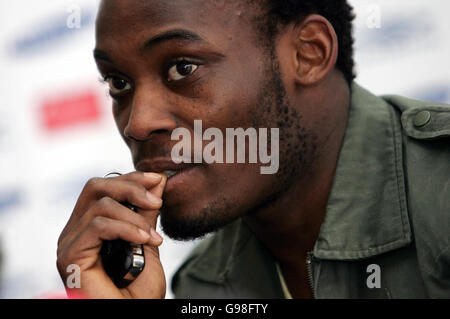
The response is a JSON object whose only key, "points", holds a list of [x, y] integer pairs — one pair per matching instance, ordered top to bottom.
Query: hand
{"points": [[98, 216]]}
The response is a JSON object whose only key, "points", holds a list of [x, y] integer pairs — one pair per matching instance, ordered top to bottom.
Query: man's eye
{"points": [[180, 70], [117, 85]]}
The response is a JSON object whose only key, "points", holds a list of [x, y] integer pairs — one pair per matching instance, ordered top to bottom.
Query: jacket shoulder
{"points": [[422, 120], [426, 159]]}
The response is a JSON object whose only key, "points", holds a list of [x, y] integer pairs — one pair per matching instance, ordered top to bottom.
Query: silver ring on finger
{"points": [[112, 174]]}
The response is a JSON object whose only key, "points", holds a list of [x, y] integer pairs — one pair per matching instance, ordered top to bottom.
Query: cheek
{"points": [[232, 98], [241, 183]]}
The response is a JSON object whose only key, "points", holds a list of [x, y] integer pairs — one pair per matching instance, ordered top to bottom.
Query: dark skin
{"points": [[204, 60]]}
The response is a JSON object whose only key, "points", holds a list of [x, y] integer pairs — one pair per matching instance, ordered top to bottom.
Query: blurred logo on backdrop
{"points": [[50, 30], [70, 109], [10, 199]]}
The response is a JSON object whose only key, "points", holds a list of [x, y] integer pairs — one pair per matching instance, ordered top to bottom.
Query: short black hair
{"points": [[338, 12]]}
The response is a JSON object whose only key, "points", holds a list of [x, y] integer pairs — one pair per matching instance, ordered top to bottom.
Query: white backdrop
{"points": [[57, 131]]}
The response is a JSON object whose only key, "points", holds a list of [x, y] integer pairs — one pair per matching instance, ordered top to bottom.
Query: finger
{"points": [[146, 179], [130, 187], [122, 190], [158, 190], [125, 191], [107, 207], [152, 215], [89, 241], [85, 248], [84, 251]]}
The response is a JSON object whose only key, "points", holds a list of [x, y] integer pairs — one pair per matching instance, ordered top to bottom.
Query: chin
{"points": [[190, 222]]}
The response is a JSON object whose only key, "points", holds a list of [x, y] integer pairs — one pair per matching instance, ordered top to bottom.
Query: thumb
{"points": [[159, 189], [152, 215]]}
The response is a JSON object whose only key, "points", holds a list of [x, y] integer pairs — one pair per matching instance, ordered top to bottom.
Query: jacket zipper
{"points": [[309, 260]]}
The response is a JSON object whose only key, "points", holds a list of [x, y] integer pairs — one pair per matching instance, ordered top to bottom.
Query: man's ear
{"points": [[316, 45]]}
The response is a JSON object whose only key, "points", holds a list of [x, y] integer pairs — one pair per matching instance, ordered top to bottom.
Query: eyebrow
{"points": [[176, 34]]}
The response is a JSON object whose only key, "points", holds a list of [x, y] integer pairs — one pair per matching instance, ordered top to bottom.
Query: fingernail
{"points": [[154, 176], [154, 199], [144, 234], [155, 235]]}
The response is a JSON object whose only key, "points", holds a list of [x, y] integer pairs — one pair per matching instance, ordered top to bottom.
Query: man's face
{"points": [[172, 62]]}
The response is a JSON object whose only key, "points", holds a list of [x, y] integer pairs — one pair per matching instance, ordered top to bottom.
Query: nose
{"points": [[150, 113]]}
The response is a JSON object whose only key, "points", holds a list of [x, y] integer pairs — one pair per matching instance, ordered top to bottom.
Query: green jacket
{"points": [[389, 206]]}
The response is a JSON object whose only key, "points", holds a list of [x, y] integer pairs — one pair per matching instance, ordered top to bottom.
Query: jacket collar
{"points": [[366, 212]]}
